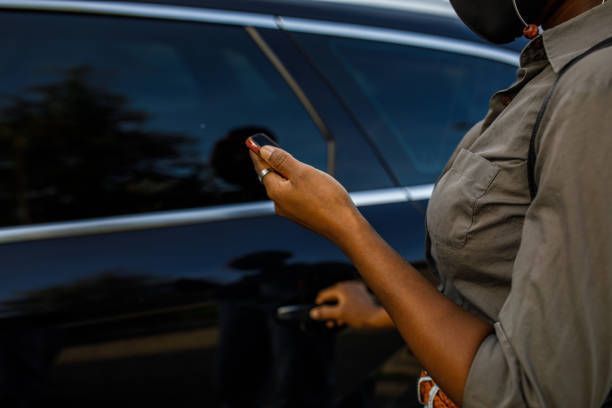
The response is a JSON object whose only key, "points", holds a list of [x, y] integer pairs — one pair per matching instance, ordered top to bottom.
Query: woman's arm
{"points": [[443, 336]]}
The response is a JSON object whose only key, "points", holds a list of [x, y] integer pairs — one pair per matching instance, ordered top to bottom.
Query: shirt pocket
{"points": [[453, 206]]}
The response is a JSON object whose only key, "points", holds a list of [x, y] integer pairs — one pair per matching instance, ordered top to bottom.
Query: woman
{"points": [[523, 317]]}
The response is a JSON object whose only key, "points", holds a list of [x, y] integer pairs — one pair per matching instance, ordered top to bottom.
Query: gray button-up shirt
{"points": [[540, 271]]}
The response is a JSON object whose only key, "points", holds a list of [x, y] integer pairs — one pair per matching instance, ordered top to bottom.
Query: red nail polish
{"points": [[254, 147]]}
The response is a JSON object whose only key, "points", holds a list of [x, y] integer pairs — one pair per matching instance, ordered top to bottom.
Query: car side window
{"points": [[416, 103], [103, 116]]}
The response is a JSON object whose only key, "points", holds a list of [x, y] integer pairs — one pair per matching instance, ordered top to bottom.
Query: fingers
{"points": [[281, 161], [258, 162], [272, 180], [328, 295], [345, 303], [325, 313], [331, 313], [330, 324]]}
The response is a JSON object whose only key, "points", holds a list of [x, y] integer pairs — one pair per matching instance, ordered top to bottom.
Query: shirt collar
{"points": [[568, 40], [534, 53]]}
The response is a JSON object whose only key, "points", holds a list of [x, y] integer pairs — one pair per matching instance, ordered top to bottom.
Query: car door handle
{"points": [[298, 311], [294, 312]]}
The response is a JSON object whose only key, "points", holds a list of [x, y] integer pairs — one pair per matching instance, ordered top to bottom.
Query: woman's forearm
{"points": [[443, 336]]}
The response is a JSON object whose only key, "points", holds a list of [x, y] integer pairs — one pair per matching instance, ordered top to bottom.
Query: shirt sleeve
{"points": [[552, 344]]}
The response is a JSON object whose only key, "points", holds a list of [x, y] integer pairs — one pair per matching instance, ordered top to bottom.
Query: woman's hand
{"points": [[306, 195], [354, 306]]}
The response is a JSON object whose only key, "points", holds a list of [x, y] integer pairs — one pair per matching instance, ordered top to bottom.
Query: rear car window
{"points": [[415, 103], [104, 116]]}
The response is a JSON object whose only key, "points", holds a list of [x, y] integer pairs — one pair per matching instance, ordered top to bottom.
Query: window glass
{"points": [[415, 103], [105, 116]]}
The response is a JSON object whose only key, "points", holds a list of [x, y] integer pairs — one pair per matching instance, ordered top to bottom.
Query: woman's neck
{"points": [[562, 11]]}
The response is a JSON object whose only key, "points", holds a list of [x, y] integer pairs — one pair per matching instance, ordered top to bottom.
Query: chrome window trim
{"points": [[434, 7], [437, 8], [156, 11], [398, 37], [419, 193], [188, 217]]}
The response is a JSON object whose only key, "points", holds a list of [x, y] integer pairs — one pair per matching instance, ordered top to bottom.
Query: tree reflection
{"points": [[72, 149], [100, 294]]}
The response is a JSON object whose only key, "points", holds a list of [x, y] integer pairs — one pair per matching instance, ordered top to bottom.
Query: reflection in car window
{"points": [[416, 103], [106, 116]]}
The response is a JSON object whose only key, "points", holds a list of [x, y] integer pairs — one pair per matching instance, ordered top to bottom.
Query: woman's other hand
{"points": [[306, 195], [350, 303]]}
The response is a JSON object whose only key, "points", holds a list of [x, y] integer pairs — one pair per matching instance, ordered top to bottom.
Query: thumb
{"points": [[281, 161]]}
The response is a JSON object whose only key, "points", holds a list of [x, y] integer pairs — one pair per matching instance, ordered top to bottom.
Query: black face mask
{"points": [[496, 20]]}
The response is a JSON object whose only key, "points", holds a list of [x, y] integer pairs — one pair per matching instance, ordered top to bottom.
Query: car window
{"points": [[416, 103], [105, 116]]}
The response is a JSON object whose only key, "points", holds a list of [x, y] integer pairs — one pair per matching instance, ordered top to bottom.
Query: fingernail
{"points": [[252, 146], [265, 152], [314, 314]]}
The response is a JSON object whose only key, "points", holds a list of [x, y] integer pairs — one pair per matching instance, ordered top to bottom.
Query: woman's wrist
{"points": [[348, 227], [380, 320]]}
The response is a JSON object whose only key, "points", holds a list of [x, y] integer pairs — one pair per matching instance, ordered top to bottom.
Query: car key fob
{"points": [[259, 140]]}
